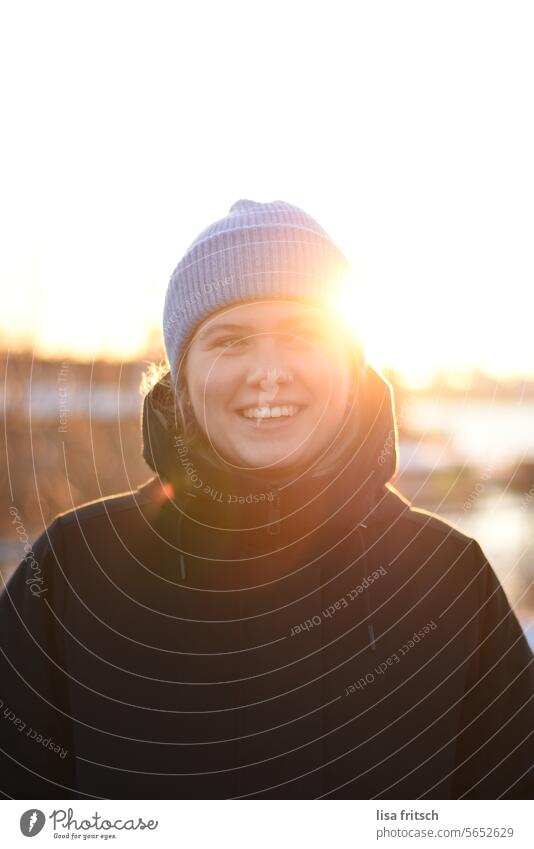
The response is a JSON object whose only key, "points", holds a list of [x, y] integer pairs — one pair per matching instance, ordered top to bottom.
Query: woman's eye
{"points": [[308, 333], [299, 336], [231, 340]]}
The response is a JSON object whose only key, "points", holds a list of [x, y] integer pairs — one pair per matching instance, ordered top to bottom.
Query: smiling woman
{"points": [[274, 394], [267, 616]]}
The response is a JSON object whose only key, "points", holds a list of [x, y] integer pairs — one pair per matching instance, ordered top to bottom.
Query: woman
{"points": [[266, 617]]}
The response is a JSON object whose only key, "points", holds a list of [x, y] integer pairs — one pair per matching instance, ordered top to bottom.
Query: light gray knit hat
{"points": [[258, 250]]}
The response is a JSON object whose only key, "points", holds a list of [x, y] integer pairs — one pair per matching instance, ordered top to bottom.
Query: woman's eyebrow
{"points": [[217, 328]]}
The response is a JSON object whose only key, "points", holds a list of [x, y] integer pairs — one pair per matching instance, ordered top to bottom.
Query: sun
{"points": [[344, 305], [375, 324]]}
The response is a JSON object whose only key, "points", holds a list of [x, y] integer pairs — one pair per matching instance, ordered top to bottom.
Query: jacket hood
{"points": [[358, 486]]}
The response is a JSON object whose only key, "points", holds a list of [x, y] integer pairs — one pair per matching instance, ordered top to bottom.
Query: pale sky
{"points": [[406, 129]]}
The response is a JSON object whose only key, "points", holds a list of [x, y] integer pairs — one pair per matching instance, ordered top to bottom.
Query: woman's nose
{"points": [[269, 370], [267, 376], [267, 380]]}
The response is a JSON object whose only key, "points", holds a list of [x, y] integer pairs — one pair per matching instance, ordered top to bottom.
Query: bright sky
{"points": [[406, 129]]}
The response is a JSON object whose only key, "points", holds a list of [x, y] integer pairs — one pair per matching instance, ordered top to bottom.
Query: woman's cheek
{"points": [[207, 377]]}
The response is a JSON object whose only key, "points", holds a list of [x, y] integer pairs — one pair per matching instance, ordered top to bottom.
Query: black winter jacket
{"points": [[211, 635]]}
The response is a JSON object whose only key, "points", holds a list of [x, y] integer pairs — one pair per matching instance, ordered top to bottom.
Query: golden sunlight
{"points": [[377, 327]]}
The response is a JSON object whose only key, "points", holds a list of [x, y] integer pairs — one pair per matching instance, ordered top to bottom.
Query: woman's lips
{"points": [[268, 423]]}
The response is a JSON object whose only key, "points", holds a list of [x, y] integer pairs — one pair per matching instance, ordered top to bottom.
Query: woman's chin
{"points": [[265, 463]]}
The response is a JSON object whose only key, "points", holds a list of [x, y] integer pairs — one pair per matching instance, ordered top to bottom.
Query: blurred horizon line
{"points": [[454, 377]]}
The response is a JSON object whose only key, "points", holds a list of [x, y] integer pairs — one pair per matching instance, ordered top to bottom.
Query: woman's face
{"points": [[269, 382]]}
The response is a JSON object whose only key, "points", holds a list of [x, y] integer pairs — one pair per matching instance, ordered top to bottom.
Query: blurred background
{"points": [[406, 130]]}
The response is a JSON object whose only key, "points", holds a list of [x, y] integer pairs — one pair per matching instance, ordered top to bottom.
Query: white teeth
{"points": [[269, 412]]}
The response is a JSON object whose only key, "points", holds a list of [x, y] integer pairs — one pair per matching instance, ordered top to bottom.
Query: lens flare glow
{"points": [[344, 305]]}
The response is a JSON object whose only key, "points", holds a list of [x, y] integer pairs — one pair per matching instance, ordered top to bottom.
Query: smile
{"points": [[267, 412]]}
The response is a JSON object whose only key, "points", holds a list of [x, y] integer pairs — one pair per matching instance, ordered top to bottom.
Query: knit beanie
{"points": [[257, 251]]}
